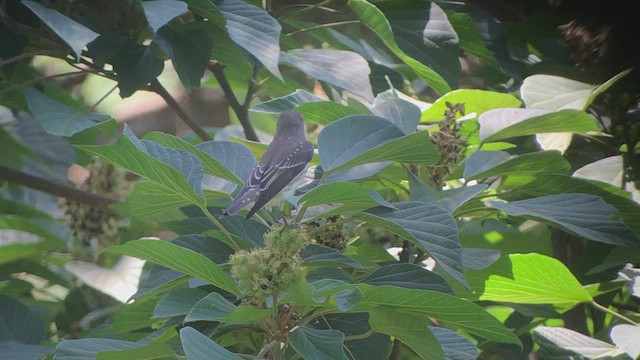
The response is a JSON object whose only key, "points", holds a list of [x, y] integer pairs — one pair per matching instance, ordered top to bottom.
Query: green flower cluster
{"points": [[272, 269]]}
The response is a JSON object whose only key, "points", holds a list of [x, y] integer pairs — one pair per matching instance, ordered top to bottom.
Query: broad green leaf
{"points": [[207, 9], [160, 12], [375, 20], [255, 30], [422, 30], [71, 32], [470, 38], [189, 52], [136, 66], [344, 69], [606, 85], [552, 93], [475, 101], [288, 102], [324, 112], [402, 113], [57, 118], [502, 124], [12, 149], [208, 153], [233, 156], [155, 162], [529, 164], [609, 170], [347, 196], [450, 199], [151, 200], [583, 215], [428, 226], [24, 239], [213, 249], [320, 255], [178, 258], [478, 258], [408, 276], [159, 279], [528, 279], [178, 302], [215, 307], [450, 310], [133, 316], [19, 323], [410, 329], [626, 337], [561, 343], [315, 344], [197, 346], [455, 346], [374, 347], [88, 348], [19, 351], [147, 352]]}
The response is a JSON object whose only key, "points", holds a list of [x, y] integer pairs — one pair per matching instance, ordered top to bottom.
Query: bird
{"points": [[280, 169]]}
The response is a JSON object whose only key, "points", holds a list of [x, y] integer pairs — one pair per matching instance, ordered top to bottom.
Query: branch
{"points": [[160, 90], [241, 110], [45, 185]]}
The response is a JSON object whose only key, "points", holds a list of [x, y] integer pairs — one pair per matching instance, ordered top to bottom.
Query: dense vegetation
{"points": [[473, 192]]}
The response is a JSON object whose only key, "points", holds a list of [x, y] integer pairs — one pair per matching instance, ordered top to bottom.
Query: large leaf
{"points": [[160, 12], [375, 20], [254, 30], [71, 32], [189, 52], [136, 66], [344, 69], [549, 92], [475, 101], [284, 103], [324, 112], [402, 113], [57, 118], [501, 124], [477, 166], [609, 170], [179, 171], [348, 196], [584, 215], [428, 226], [315, 254], [178, 258], [408, 276], [528, 279], [178, 302], [215, 307], [450, 310], [18, 322], [410, 329], [626, 337], [561, 343], [315, 344], [197, 346], [455, 346], [373, 347], [88, 348], [19, 351], [152, 351]]}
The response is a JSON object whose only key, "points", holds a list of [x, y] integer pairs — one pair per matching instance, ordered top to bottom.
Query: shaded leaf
{"points": [[160, 12], [189, 52], [136, 66], [284, 103], [324, 112], [402, 113], [532, 163], [346, 196], [315, 254], [408, 276], [178, 302], [19, 323], [560, 343], [314, 344], [197, 346], [455, 346], [88, 348], [19, 351]]}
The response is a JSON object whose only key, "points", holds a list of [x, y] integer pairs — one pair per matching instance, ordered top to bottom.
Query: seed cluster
{"points": [[449, 144]]}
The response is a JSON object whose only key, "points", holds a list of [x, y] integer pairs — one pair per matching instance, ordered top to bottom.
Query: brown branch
{"points": [[156, 87], [241, 110], [45, 185]]}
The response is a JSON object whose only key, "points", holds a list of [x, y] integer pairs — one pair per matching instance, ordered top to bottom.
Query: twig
{"points": [[321, 26], [30, 55], [35, 81], [156, 87], [94, 106], [242, 111], [45, 185], [620, 316]]}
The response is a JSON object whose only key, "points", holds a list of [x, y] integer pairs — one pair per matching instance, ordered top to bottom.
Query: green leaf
{"points": [[207, 9], [160, 12], [375, 20], [254, 30], [422, 30], [71, 32], [470, 38], [189, 52], [136, 66], [344, 69], [606, 85], [552, 93], [475, 101], [288, 102], [324, 112], [402, 113], [57, 118], [502, 124], [154, 162], [477, 166], [350, 196], [450, 199], [150, 200], [583, 215], [428, 226], [24, 239], [320, 255], [178, 258], [408, 276], [159, 279], [528, 279], [178, 302], [214, 307], [450, 310], [18, 322], [408, 328], [560, 343], [315, 344], [454, 345], [199, 347], [374, 347], [88, 348], [19, 351], [148, 352]]}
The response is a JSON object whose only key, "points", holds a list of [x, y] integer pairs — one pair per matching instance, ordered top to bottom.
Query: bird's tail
{"points": [[244, 198]]}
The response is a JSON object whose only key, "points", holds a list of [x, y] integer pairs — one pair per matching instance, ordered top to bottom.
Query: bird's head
{"points": [[290, 121]]}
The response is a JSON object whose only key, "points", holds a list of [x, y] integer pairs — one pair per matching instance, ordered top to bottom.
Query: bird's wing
{"points": [[272, 178]]}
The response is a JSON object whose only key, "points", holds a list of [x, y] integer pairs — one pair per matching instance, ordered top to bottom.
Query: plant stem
{"points": [[321, 26], [30, 55], [35, 81], [156, 87], [93, 107], [241, 110], [53, 188], [217, 223], [611, 312], [276, 326], [361, 336]]}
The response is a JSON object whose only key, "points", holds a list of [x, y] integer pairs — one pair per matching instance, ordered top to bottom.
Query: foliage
{"points": [[440, 222]]}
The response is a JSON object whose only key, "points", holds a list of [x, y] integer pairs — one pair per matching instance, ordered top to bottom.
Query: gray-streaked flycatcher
{"points": [[281, 168]]}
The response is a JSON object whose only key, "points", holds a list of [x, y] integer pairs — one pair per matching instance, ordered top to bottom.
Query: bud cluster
{"points": [[449, 144]]}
